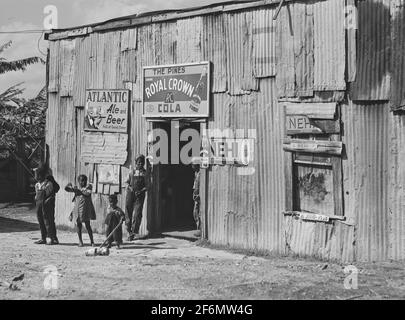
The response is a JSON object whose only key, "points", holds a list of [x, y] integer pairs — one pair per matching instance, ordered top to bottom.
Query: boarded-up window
{"points": [[313, 167], [313, 185]]}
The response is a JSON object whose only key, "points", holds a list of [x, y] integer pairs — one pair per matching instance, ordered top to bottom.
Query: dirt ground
{"points": [[168, 268]]}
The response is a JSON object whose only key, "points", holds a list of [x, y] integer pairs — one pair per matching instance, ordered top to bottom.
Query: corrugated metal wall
{"points": [[373, 51], [255, 61], [366, 171], [396, 188], [245, 210]]}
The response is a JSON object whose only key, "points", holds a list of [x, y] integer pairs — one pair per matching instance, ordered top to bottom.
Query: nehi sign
{"points": [[176, 90], [106, 110]]}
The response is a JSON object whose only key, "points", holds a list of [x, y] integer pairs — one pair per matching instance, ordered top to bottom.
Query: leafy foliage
{"points": [[16, 65], [20, 118]]}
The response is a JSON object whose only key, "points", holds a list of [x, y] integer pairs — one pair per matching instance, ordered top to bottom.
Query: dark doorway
{"points": [[176, 180]]}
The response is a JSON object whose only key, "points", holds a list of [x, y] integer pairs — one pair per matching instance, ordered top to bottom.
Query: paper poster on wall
{"points": [[176, 90], [106, 110], [108, 174]]}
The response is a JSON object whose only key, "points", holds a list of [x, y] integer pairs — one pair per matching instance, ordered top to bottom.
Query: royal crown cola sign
{"points": [[179, 91]]}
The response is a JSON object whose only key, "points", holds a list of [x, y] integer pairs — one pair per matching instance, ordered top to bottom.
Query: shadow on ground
{"points": [[11, 225]]}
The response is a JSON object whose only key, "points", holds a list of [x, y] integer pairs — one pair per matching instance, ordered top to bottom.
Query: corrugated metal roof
{"points": [[159, 16], [373, 51]]}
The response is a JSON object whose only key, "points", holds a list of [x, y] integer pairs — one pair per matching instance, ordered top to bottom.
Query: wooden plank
{"points": [[113, 25], [78, 32], [312, 110], [313, 146], [288, 176], [337, 181], [298, 213]]}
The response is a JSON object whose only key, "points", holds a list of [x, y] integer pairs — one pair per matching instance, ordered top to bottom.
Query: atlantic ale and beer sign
{"points": [[176, 90], [106, 110]]}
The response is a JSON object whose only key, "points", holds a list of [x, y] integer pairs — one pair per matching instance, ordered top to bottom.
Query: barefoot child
{"points": [[83, 210], [113, 219]]}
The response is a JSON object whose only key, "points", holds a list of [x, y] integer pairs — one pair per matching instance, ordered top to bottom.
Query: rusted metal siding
{"points": [[303, 24], [189, 35], [239, 43], [264, 43], [329, 45], [214, 50], [373, 51], [67, 67], [81, 71], [285, 78], [53, 85], [397, 95], [66, 156], [269, 164], [366, 172], [396, 192], [245, 210], [332, 241]]}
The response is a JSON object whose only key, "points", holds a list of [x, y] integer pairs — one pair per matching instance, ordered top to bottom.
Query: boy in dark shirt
{"points": [[113, 219]]}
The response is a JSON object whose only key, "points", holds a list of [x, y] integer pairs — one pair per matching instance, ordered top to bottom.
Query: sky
{"points": [[18, 15]]}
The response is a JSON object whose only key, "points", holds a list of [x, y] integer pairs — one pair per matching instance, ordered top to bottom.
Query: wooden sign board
{"points": [[180, 91], [107, 110], [296, 124], [301, 124], [313, 146]]}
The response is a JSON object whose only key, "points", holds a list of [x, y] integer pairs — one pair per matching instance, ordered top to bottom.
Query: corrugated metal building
{"points": [[322, 86]]}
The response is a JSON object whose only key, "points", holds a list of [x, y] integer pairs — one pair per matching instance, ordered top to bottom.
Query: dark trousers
{"points": [[133, 212], [46, 219], [113, 221]]}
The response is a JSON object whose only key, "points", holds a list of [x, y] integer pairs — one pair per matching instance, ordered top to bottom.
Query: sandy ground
{"points": [[167, 268]]}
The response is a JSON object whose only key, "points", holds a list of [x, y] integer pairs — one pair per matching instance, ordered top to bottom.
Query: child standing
{"points": [[136, 191], [83, 210], [114, 217]]}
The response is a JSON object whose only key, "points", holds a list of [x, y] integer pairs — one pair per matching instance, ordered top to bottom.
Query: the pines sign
{"points": [[176, 90]]}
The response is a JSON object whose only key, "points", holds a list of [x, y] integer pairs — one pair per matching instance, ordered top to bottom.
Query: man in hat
{"points": [[136, 191], [45, 192]]}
